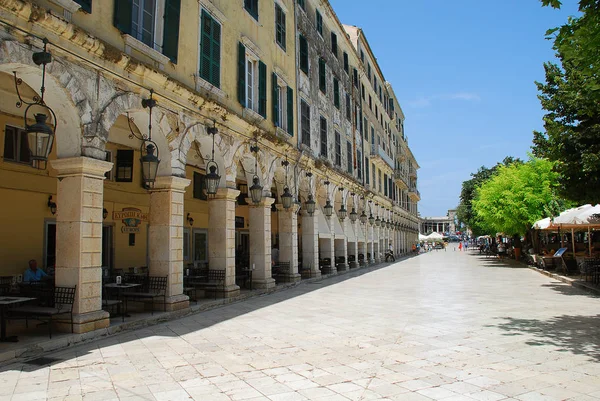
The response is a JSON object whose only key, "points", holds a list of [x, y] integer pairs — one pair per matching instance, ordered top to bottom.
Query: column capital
{"points": [[87, 166], [170, 183], [226, 193], [265, 202], [294, 208]]}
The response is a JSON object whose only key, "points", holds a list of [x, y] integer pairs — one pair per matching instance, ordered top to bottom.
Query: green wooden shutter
{"points": [[123, 15], [171, 29], [303, 54], [242, 74], [322, 83], [262, 89], [336, 93], [275, 100], [290, 111]]}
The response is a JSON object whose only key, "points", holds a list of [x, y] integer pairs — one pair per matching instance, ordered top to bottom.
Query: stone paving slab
{"points": [[441, 326]]}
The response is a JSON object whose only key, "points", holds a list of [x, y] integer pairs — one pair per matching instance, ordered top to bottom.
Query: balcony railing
{"points": [[377, 151], [412, 172], [401, 178]]}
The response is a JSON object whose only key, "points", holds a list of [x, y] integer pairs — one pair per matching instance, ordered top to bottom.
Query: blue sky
{"points": [[464, 73]]}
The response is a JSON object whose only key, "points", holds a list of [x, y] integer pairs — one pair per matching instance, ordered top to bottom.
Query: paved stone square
{"points": [[444, 325]]}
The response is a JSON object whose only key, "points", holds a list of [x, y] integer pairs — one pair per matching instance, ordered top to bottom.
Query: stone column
{"points": [[80, 193], [165, 237], [221, 237], [288, 239], [376, 242], [260, 243], [310, 243], [371, 243], [329, 247], [354, 247], [341, 251]]}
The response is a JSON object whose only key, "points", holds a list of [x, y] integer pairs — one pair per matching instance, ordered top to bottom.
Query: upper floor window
{"points": [[302, 4], [86, 5], [252, 7], [319, 19], [144, 20], [279, 26], [303, 45], [334, 48], [210, 50], [362, 56], [346, 66], [322, 76], [252, 81], [336, 93], [283, 105], [348, 108], [305, 122], [323, 137], [16, 147], [338, 149], [349, 157], [124, 165], [199, 190]]}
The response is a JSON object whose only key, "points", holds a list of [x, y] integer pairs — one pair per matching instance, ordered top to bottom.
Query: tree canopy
{"points": [[571, 97], [517, 195]]}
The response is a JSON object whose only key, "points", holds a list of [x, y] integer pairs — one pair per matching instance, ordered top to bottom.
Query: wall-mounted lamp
{"points": [[51, 205], [104, 214], [190, 220]]}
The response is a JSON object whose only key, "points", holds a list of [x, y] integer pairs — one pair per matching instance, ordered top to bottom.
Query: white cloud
{"points": [[425, 101]]}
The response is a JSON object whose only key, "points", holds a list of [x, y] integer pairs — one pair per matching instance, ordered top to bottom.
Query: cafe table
{"points": [[120, 288], [6, 302]]}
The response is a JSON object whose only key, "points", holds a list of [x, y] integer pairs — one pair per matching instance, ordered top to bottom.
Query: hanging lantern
{"points": [[40, 135], [150, 164], [212, 179], [256, 191], [287, 199], [310, 205], [328, 209], [342, 213], [353, 215], [363, 218], [371, 219], [378, 222]]}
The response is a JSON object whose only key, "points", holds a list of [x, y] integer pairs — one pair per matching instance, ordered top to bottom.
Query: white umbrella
{"points": [[579, 216], [542, 224], [435, 235], [423, 237]]}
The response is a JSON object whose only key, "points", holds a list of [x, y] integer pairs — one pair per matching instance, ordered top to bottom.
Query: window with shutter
{"points": [[302, 4], [86, 5], [252, 7], [123, 14], [319, 19], [279, 26], [170, 42], [303, 44], [334, 48], [210, 50], [346, 66], [242, 74], [322, 76], [355, 77], [262, 89], [275, 93], [336, 93], [348, 108], [290, 111], [305, 122], [323, 137], [16, 146], [338, 149], [349, 157], [359, 164], [124, 169], [367, 176], [199, 186]]}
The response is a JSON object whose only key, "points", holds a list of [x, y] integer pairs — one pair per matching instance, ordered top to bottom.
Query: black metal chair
{"points": [[153, 287]]}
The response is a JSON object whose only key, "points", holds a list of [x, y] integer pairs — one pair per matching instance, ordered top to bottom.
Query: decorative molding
{"points": [[69, 5], [213, 11], [251, 46], [282, 75], [207, 86]]}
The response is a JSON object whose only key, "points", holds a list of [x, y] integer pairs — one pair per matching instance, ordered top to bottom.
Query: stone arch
{"points": [[63, 94], [130, 103], [195, 132]]}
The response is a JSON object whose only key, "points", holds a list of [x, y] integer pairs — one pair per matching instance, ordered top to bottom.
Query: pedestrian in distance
{"points": [[460, 246]]}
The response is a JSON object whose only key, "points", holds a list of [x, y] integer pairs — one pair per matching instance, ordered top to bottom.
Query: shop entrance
{"points": [[200, 246], [242, 250]]}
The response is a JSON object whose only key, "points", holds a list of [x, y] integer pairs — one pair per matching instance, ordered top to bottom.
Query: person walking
{"points": [[460, 246]]}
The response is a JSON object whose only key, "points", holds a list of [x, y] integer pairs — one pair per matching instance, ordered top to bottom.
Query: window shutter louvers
{"points": [[123, 13], [171, 29], [303, 54], [242, 74], [262, 89], [275, 100], [290, 111]]}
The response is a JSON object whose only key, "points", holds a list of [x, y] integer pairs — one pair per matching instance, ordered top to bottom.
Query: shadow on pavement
{"points": [[494, 261], [569, 290], [192, 323], [577, 334]]}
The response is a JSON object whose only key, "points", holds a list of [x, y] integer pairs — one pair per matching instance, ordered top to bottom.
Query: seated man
{"points": [[33, 273]]}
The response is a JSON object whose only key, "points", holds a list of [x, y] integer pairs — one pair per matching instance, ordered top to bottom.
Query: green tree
{"points": [[571, 97], [516, 196], [464, 211]]}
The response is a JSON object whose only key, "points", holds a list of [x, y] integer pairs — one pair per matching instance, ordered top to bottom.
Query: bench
{"points": [[281, 272], [215, 279], [153, 287], [61, 301]]}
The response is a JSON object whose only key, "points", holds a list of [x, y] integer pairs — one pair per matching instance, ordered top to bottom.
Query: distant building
{"points": [[440, 224]]}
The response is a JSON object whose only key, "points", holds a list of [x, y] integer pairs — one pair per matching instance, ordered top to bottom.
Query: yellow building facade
{"points": [[224, 77]]}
